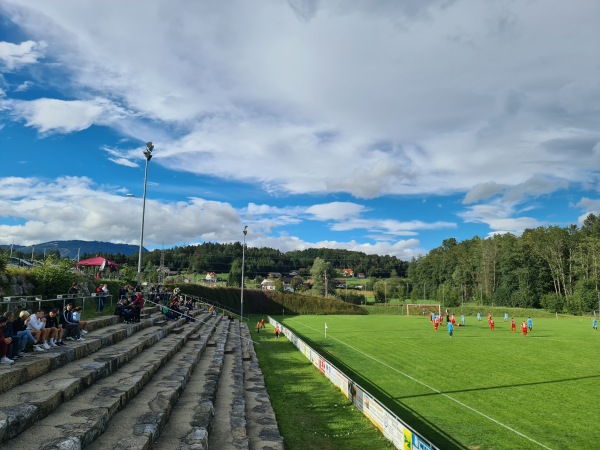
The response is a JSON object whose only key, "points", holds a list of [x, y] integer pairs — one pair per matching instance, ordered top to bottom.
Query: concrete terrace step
{"points": [[108, 331], [116, 379], [175, 385], [23, 405], [194, 413], [142, 422], [229, 430], [263, 432]]}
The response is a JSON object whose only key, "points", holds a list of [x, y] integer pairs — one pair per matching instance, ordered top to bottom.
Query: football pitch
{"points": [[478, 389]]}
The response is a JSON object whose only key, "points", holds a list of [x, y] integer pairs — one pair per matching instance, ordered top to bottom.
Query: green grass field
{"points": [[478, 389], [311, 412]]}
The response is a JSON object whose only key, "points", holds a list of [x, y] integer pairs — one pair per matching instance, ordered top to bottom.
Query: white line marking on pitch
{"points": [[432, 388]]}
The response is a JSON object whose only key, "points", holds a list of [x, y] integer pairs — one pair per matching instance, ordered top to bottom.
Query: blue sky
{"points": [[383, 127]]}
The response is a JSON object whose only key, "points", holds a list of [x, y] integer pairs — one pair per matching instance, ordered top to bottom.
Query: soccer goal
{"points": [[413, 309]]}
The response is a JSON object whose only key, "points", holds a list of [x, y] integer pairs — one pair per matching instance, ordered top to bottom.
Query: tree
{"points": [[320, 272], [235, 274], [278, 285]]}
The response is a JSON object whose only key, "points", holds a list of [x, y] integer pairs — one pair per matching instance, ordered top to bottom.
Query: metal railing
{"points": [[35, 302]]}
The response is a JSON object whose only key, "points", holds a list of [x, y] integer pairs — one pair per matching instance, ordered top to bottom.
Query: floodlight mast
{"points": [[148, 155], [245, 231]]}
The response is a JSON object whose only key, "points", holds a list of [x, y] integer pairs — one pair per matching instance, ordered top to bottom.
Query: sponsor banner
{"points": [[315, 359], [322, 365], [337, 378], [374, 411], [394, 430], [407, 440], [420, 444]]}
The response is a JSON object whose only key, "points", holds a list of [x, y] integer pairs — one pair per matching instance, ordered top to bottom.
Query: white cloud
{"points": [[15, 56], [23, 86], [437, 97], [497, 101], [63, 116], [120, 157], [589, 206], [78, 208], [335, 210], [498, 217], [403, 249]]}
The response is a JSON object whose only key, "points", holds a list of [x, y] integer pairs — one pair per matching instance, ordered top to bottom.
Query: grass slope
{"points": [[478, 389], [311, 412]]}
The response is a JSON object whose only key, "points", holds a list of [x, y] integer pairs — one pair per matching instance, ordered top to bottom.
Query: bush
{"points": [[54, 277], [260, 302], [553, 302]]}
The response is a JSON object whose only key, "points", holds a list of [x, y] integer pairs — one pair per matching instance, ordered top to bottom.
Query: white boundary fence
{"points": [[400, 434]]}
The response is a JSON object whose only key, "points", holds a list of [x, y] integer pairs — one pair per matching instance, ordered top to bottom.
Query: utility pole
{"points": [[245, 232], [326, 287]]}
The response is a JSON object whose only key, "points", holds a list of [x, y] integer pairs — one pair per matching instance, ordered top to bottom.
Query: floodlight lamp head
{"points": [[148, 151], [245, 230]]}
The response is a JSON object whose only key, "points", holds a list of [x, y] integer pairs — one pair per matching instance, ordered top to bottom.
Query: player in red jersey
{"points": [[513, 325], [524, 328]]}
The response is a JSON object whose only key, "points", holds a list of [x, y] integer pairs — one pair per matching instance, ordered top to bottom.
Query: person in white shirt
{"points": [[77, 318], [37, 325]]}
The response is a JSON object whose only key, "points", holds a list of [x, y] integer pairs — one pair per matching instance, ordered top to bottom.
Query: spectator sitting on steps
{"points": [[77, 318], [37, 325], [20, 327], [72, 327], [56, 331], [4, 342], [14, 348]]}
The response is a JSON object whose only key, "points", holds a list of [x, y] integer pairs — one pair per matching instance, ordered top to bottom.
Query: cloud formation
{"points": [[15, 56], [496, 102], [77, 207]]}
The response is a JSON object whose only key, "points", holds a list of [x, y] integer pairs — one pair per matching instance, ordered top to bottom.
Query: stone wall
{"points": [[15, 285]]}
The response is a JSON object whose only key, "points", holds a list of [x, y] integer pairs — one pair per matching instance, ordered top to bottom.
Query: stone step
{"points": [[37, 364], [116, 378], [157, 385], [25, 404], [156, 406], [194, 409], [192, 418], [262, 428], [229, 430]]}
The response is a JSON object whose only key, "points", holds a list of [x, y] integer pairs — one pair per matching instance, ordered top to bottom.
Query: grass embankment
{"points": [[478, 389], [311, 412]]}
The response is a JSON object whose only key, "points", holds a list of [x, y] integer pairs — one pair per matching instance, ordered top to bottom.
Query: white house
{"points": [[267, 285]]}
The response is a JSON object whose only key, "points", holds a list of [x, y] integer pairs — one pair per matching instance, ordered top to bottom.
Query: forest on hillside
{"points": [[220, 258], [557, 268]]}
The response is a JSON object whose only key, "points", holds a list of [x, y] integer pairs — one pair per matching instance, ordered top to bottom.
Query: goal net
{"points": [[414, 309]]}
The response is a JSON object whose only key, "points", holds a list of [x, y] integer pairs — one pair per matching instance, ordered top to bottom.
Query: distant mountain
{"points": [[70, 249]]}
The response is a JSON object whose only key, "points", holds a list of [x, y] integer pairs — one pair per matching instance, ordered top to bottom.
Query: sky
{"points": [[381, 127]]}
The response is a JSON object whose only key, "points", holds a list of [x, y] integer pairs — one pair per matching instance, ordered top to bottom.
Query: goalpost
{"points": [[416, 309]]}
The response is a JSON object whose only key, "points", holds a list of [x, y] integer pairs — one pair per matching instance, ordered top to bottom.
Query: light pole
{"points": [[148, 155], [243, 261]]}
